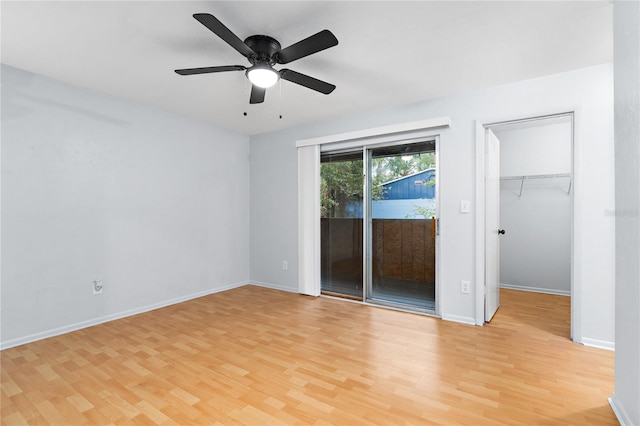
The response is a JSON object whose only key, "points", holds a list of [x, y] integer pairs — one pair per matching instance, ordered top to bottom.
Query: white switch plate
{"points": [[465, 206], [285, 265], [465, 287]]}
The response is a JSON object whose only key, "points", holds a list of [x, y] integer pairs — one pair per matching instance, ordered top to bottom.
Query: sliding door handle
{"points": [[433, 227]]}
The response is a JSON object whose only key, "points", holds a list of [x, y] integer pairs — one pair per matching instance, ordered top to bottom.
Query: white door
{"points": [[492, 228]]}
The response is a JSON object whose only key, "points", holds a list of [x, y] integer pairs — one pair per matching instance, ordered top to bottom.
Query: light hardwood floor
{"points": [[258, 356]]}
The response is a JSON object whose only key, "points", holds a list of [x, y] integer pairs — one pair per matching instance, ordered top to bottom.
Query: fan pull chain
{"points": [[280, 90], [245, 93]]}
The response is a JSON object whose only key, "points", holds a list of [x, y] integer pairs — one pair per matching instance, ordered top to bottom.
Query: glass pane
{"points": [[341, 193], [403, 209]]}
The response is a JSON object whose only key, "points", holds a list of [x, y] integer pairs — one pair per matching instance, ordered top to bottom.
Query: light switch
{"points": [[465, 206]]}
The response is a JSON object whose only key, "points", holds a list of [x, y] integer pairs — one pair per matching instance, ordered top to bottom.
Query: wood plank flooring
{"points": [[258, 356]]}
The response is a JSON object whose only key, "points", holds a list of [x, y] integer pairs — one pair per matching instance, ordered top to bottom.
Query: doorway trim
{"points": [[309, 185], [480, 220]]}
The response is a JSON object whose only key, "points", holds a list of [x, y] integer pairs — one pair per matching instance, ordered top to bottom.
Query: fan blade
{"points": [[224, 33], [313, 44], [206, 70], [306, 81], [257, 95]]}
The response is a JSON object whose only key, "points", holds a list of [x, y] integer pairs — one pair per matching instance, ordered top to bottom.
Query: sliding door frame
{"points": [[309, 184], [368, 230]]}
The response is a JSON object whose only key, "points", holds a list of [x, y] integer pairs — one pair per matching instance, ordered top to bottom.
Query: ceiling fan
{"points": [[263, 52]]}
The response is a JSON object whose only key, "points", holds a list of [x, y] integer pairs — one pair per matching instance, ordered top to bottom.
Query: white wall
{"points": [[535, 147], [274, 186], [94, 187], [535, 251], [626, 399]]}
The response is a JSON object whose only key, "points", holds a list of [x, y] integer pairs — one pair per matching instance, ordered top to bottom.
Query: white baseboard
{"points": [[273, 286], [535, 289], [459, 318], [100, 320], [600, 344], [619, 411]]}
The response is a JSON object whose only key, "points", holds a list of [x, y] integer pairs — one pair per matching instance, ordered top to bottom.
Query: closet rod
{"points": [[547, 176], [522, 178]]}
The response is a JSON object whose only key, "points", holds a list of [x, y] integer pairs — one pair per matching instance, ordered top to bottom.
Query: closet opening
{"points": [[535, 209]]}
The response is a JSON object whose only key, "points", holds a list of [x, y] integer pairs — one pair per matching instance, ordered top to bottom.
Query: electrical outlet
{"points": [[285, 265], [97, 287], [465, 287]]}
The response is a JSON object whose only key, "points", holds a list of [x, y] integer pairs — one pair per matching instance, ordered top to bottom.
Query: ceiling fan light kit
{"points": [[263, 52], [262, 75]]}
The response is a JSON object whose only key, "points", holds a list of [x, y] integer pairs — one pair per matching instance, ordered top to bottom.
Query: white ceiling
{"points": [[389, 53]]}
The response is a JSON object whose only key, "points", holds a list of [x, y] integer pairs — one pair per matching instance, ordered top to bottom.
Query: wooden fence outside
{"points": [[401, 248]]}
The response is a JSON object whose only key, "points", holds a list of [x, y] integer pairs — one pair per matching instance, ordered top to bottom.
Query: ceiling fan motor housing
{"points": [[265, 47]]}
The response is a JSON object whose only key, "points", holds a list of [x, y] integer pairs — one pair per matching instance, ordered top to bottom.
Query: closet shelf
{"points": [[548, 176], [522, 178]]}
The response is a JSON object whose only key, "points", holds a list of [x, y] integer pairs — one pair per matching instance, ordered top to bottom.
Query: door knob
{"points": [[501, 231]]}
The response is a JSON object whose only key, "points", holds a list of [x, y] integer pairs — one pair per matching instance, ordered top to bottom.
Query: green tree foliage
{"points": [[385, 169], [343, 181], [340, 182], [425, 212]]}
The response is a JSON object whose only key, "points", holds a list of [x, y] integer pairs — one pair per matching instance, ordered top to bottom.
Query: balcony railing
{"points": [[403, 252]]}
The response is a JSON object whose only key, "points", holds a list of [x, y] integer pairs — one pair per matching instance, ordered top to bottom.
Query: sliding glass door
{"points": [[378, 225], [402, 225], [341, 238]]}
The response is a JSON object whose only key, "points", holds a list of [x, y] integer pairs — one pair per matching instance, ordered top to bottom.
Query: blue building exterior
{"points": [[411, 187], [408, 197]]}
